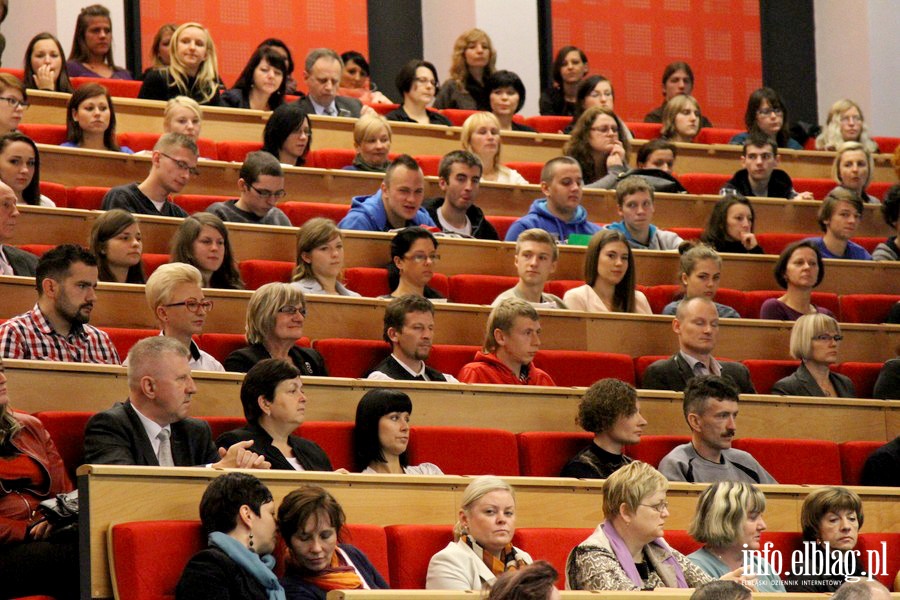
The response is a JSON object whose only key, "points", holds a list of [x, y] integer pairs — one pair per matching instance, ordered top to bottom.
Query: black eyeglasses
{"points": [[15, 102], [182, 165], [266, 194], [193, 305], [292, 310], [827, 337]]}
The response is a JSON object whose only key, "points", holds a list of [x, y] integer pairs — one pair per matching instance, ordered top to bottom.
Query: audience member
{"points": [[281, 48], [160, 49], [91, 54], [474, 60], [45, 67], [323, 68], [569, 68], [193, 70], [677, 78], [355, 80], [417, 83], [261, 84], [594, 90], [506, 93], [14, 102], [766, 114], [183, 115], [681, 119], [91, 120], [845, 123], [288, 135], [480, 135], [372, 141], [599, 146], [657, 154], [853, 168], [20, 169], [169, 176], [459, 176], [759, 177], [261, 183], [634, 197], [397, 204], [890, 210], [560, 213], [839, 217], [730, 226], [202, 241], [117, 243], [413, 256], [537, 257], [320, 259], [13, 261], [700, 269], [799, 269], [609, 277], [276, 314], [696, 324], [56, 328], [409, 329], [512, 339], [815, 339], [887, 386], [275, 407], [710, 409], [610, 410], [381, 435], [882, 467], [237, 512], [482, 547], [532, 582], [722, 590], [862, 590]]}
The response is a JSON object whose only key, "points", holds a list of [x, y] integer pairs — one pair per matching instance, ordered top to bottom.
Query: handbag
{"points": [[61, 510]]}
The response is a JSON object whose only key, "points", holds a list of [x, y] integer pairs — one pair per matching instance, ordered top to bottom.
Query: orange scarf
{"points": [[508, 561], [337, 576]]}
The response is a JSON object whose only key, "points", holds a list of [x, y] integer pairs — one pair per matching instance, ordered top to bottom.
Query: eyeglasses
{"points": [[425, 81], [15, 102], [765, 112], [851, 119], [606, 129], [304, 132], [194, 171], [266, 194], [421, 258], [193, 305], [292, 310], [827, 337], [664, 505]]}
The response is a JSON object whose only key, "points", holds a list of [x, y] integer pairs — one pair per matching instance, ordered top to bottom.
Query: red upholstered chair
{"points": [[20, 75], [119, 88], [383, 109], [457, 116], [548, 123], [644, 131], [44, 133], [716, 135], [139, 140], [886, 145], [236, 151], [330, 158], [430, 164], [529, 170], [703, 183], [817, 185], [879, 188], [56, 192], [88, 198], [192, 203], [301, 212], [501, 224], [688, 233], [774, 243], [869, 243], [37, 249], [153, 261], [256, 273], [368, 281], [441, 284], [559, 287], [479, 289], [660, 295], [732, 298], [867, 308], [123, 338], [220, 345], [351, 358], [450, 358], [642, 362], [578, 368], [764, 373], [863, 375], [219, 425], [66, 429], [335, 438], [653, 448], [491, 451], [545, 453], [853, 458], [796, 461], [372, 540], [682, 541], [785, 542], [871, 542], [552, 544], [410, 548]]}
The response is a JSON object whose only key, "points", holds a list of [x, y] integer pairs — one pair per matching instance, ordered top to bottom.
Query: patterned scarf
{"points": [[508, 561], [339, 575]]}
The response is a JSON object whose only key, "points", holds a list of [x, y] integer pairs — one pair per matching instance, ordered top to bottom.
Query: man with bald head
{"points": [[12, 260], [696, 324]]}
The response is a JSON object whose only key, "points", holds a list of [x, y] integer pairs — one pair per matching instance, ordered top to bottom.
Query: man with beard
{"points": [[56, 328]]}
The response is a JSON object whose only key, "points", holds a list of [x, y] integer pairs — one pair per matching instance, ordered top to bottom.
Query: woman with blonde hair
{"points": [[91, 54], [160, 54], [474, 59], [193, 70], [183, 115], [681, 119], [845, 123], [481, 136], [372, 140], [599, 146], [853, 168], [202, 241], [116, 242], [320, 259], [700, 269], [815, 340], [482, 547]]}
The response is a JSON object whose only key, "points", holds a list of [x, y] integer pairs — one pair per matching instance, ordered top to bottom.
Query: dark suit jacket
{"points": [[346, 107], [24, 264], [309, 361], [673, 374], [801, 383], [887, 386], [116, 437], [309, 454]]}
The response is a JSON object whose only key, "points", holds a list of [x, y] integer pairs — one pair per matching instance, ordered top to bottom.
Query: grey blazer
{"points": [[346, 107], [24, 264], [801, 383]]}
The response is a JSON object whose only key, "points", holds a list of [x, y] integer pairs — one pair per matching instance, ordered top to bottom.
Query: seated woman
{"points": [[281, 48], [91, 53], [160, 55], [473, 61], [45, 67], [569, 67], [193, 70], [677, 79], [355, 80], [417, 83], [261, 84], [595, 90], [507, 95], [13, 102], [767, 114], [182, 115], [681, 119], [91, 120], [845, 123], [288, 135], [480, 135], [372, 142], [598, 146], [657, 154], [20, 168], [853, 168], [890, 210], [730, 226], [202, 240], [116, 242], [413, 257], [320, 259], [700, 269], [799, 270], [608, 278], [275, 316], [815, 340], [274, 406], [32, 471], [834, 515], [238, 516], [311, 521], [729, 521], [482, 548], [627, 551]]}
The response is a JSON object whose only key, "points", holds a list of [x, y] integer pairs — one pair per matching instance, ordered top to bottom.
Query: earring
{"points": [[251, 542]]}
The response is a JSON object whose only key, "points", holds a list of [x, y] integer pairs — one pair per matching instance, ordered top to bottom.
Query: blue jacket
{"points": [[367, 214], [539, 217], [854, 251]]}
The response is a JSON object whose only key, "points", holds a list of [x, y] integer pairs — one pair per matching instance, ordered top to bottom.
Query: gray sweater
{"points": [[227, 211], [684, 464]]}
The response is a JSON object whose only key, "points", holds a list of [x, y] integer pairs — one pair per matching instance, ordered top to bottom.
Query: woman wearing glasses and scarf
{"points": [[815, 340]]}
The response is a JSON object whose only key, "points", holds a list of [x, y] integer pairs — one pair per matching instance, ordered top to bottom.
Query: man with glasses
{"points": [[173, 163], [760, 177], [262, 187]]}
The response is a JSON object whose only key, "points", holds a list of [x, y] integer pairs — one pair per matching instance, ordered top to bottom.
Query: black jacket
{"points": [[780, 184], [481, 228], [307, 360], [673, 374], [801, 383], [309, 454], [213, 575]]}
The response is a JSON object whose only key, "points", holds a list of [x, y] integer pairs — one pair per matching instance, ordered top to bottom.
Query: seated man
{"points": [[323, 69], [173, 162], [459, 176], [759, 177], [262, 185], [634, 196], [396, 205], [560, 213], [839, 218], [536, 259], [12, 260], [696, 324], [56, 328], [409, 329], [512, 339], [710, 408], [609, 410], [151, 428], [883, 466]]}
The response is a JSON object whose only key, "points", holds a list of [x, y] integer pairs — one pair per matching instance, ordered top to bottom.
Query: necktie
{"points": [[329, 112], [164, 455]]}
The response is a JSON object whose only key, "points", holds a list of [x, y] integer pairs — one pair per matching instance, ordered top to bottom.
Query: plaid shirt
{"points": [[30, 336]]}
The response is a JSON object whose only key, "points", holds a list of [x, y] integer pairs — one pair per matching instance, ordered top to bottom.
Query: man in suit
{"points": [[323, 77], [12, 260], [696, 324], [152, 427]]}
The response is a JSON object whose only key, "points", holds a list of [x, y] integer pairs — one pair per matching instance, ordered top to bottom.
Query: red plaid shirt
{"points": [[30, 336]]}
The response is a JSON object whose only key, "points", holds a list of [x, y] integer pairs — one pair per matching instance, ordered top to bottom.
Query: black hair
{"points": [[276, 43], [352, 56], [276, 60], [556, 69], [407, 75], [503, 79], [585, 87], [775, 102], [285, 120], [760, 140], [652, 146], [453, 157], [260, 163], [32, 193], [890, 208], [716, 232], [400, 245], [785, 257], [55, 263], [261, 380], [703, 387], [372, 406], [225, 495]]}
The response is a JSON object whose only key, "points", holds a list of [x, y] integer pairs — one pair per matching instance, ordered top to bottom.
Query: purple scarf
{"points": [[623, 555]]}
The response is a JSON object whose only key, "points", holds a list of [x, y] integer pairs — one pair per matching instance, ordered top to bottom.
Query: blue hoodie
{"points": [[367, 214], [539, 217]]}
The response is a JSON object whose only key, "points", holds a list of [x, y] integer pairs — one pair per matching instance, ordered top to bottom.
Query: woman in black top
{"points": [[474, 59], [569, 67], [193, 70], [417, 83], [261, 84], [507, 95], [730, 226]]}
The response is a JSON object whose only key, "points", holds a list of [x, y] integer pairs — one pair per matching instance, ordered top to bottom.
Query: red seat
{"points": [[20, 75], [119, 88], [382, 109], [457, 116], [548, 123], [644, 131], [43, 133], [716, 135], [140, 141], [886, 145], [236, 151], [330, 158], [430, 164], [529, 170], [703, 183], [817, 185], [879, 189], [56, 192], [88, 198], [193, 203], [301, 212], [501, 224], [688, 233], [774, 243], [869, 243], [37, 249], [153, 262], [257, 273], [368, 281], [559, 287], [479, 289], [660, 295], [732, 298], [753, 301], [867, 308], [123, 338], [220, 345], [351, 358], [451, 358], [642, 362], [579, 368], [765, 373], [863, 375], [219, 425], [66, 429], [335, 438], [653, 448], [494, 451], [545, 453], [853, 458], [796, 461], [372, 540], [682, 541], [552, 544], [885, 544], [410, 548]]}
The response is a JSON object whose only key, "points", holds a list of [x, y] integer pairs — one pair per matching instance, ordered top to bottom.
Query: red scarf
{"points": [[337, 576]]}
